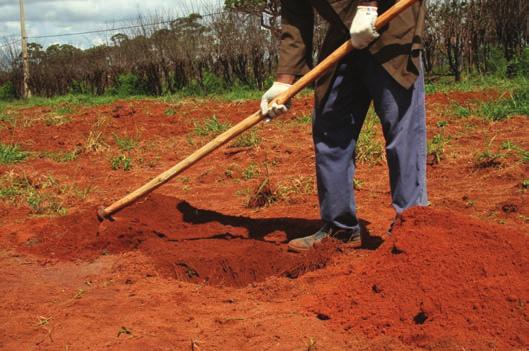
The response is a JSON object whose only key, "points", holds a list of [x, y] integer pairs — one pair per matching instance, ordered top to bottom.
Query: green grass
{"points": [[475, 83], [63, 104], [517, 104], [63, 110], [170, 111], [460, 111], [6, 118], [304, 119], [56, 120], [211, 126], [247, 139], [125, 143], [436, 147], [369, 149], [516, 149], [11, 154], [62, 157], [488, 159], [121, 162], [250, 172], [299, 185], [41, 194]]}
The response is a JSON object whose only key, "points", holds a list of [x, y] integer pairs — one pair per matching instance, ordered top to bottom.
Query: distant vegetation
{"points": [[234, 52]]}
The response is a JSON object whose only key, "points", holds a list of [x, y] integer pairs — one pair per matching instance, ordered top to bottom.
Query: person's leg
{"points": [[403, 117], [336, 127]]}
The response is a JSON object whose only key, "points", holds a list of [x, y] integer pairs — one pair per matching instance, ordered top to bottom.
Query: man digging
{"points": [[384, 69]]}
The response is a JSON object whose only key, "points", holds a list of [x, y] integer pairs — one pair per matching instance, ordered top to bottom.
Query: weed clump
{"points": [[517, 104], [211, 126], [248, 139], [125, 143], [436, 148], [369, 149], [11, 154], [488, 159], [121, 162], [40, 194], [264, 195]]}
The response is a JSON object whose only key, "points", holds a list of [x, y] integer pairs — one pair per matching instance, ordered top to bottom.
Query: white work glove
{"points": [[363, 30], [274, 110]]}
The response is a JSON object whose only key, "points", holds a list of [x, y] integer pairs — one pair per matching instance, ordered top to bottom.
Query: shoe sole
{"points": [[353, 244], [298, 249]]}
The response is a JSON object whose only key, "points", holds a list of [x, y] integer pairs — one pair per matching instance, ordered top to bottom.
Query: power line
{"points": [[117, 28]]}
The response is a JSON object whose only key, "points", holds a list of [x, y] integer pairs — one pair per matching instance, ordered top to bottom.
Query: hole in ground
{"points": [[188, 244]]}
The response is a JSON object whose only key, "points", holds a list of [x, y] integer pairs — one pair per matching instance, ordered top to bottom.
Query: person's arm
{"points": [[295, 51]]}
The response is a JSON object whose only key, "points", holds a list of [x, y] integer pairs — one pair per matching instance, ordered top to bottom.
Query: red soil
{"points": [[183, 242], [192, 262], [440, 277]]}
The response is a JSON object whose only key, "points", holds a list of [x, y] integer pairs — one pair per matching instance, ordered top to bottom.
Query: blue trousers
{"points": [[360, 80]]}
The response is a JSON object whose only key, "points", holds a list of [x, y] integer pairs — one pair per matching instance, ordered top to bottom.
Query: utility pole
{"points": [[25, 57]]}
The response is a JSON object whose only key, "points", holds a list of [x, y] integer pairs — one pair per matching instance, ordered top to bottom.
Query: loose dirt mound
{"points": [[183, 242], [443, 278]]}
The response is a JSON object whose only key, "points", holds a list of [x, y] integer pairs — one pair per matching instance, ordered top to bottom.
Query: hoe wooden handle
{"points": [[249, 122]]}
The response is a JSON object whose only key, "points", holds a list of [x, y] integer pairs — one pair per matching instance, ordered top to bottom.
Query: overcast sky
{"points": [[45, 17]]}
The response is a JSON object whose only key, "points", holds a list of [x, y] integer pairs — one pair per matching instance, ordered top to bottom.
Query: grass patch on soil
{"points": [[475, 83], [511, 103], [62, 104], [516, 104], [7, 119], [303, 119], [56, 120], [210, 126], [248, 139], [95, 141], [125, 143], [369, 148], [436, 148], [516, 150], [11, 154], [62, 157], [121, 162], [251, 171], [266, 193], [42, 194]]}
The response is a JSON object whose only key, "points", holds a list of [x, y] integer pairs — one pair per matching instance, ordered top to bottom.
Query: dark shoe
{"points": [[328, 230]]}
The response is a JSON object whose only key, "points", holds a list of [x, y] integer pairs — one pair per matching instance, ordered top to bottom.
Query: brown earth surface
{"points": [[192, 264]]}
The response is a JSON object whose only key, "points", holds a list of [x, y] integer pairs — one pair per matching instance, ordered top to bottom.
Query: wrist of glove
{"points": [[363, 29], [274, 109]]}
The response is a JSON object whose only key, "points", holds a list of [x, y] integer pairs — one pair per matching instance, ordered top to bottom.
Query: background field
{"points": [[195, 263]]}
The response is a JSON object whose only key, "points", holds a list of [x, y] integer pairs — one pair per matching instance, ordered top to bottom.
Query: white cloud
{"points": [[44, 17]]}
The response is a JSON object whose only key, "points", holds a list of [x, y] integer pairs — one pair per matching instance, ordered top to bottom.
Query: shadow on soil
{"points": [[259, 228], [190, 244]]}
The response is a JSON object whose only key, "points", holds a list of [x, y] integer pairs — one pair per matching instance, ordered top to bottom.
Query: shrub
{"points": [[496, 63], [522, 64], [128, 84], [7, 91]]}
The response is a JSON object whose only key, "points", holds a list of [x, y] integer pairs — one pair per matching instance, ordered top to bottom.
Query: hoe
{"points": [[252, 120]]}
